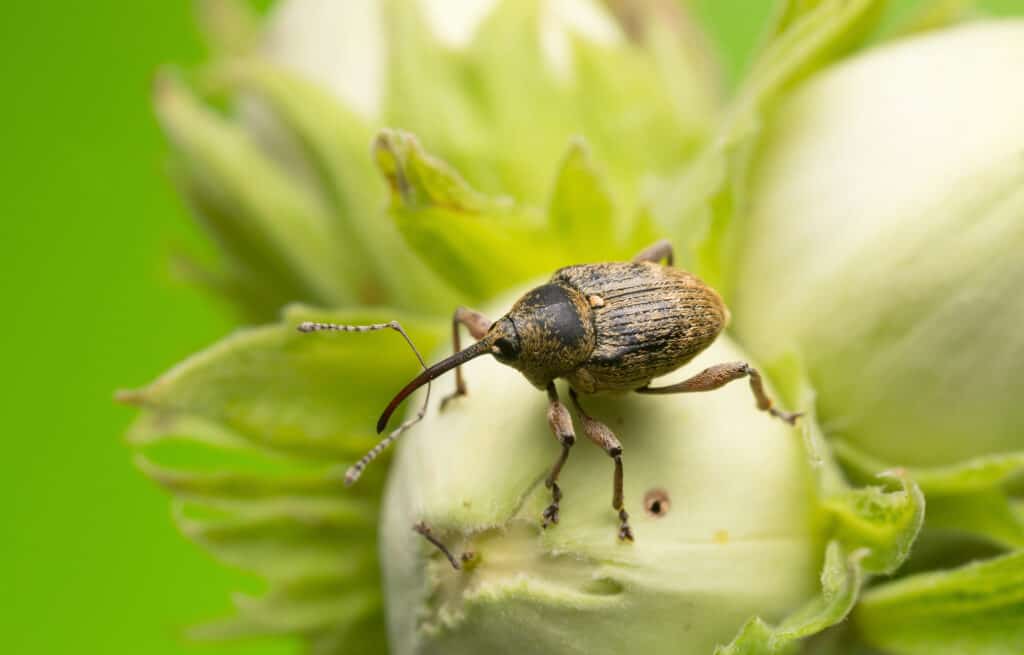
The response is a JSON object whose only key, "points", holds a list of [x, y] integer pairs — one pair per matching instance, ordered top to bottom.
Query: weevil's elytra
{"points": [[607, 327]]}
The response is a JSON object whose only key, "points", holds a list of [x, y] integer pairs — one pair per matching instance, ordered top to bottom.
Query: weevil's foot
{"points": [[450, 397], [788, 417], [550, 516], [625, 532]]}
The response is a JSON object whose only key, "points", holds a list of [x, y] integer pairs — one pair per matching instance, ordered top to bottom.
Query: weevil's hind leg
{"points": [[656, 252], [478, 325], [722, 374], [561, 426], [602, 435], [356, 469], [456, 562]]}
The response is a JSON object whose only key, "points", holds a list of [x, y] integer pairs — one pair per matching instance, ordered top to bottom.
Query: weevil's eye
{"points": [[505, 349]]}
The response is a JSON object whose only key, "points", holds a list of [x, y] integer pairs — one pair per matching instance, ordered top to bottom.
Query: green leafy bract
{"points": [[330, 159], [273, 234], [479, 244], [252, 438], [974, 496], [884, 523], [841, 579], [978, 608]]}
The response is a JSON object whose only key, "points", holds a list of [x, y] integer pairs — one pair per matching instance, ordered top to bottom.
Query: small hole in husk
{"points": [[657, 503]]}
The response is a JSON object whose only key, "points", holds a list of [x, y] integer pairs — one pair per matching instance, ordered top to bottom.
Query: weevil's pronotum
{"points": [[610, 327]]}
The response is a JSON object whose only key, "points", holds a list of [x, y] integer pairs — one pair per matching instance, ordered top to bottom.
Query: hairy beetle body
{"points": [[649, 320]]}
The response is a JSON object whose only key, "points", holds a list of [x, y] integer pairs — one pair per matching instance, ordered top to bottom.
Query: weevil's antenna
{"points": [[356, 469]]}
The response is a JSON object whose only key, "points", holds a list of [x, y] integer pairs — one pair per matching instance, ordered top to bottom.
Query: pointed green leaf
{"points": [[934, 15], [806, 37], [632, 94], [436, 105], [502, 121], [335, 146], [581, 212], [267, 222], [481, 245], [254, 278], [256, 303], [310, 394], [975, 474], [229, 485], [967, 497], [989, 514], [884, 523], [841, 578], [311, 608], [978, 609]]}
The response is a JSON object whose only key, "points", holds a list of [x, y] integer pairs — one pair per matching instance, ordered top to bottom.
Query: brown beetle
{"points": [[610, 327]]}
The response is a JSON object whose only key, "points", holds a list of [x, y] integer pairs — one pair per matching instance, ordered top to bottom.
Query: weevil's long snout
{"points": [[481, 347]]}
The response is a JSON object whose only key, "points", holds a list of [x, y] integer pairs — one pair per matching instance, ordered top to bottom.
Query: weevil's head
{"points": [[548, 333]]}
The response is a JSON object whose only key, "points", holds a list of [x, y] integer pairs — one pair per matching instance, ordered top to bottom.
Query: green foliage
{"points": [[503, 120], [329, 161], [283, 179], [701, 206], [582, 211], [274, 235], [473, 241], [276, 416], [972, 496], [883, 524], [871, 531], [841, 579], [978, 608]]}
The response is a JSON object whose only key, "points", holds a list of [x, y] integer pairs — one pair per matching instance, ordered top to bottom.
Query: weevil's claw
{"points": [[788, 417], [550, 516], [625, 532]]}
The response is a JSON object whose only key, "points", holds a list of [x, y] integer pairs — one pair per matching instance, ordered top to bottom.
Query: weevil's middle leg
{"points": [[656, 252], [478, 325], [718, 376], [561, 425], [603, 436]]}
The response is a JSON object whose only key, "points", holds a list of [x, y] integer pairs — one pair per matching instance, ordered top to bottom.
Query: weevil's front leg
{"points": [[656, 252], [478, 325], [722, 374], [561, 425], [602, 435], [354, 471], [456, 562]]}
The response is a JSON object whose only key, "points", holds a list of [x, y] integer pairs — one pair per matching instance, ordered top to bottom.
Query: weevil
{"points": [[607, 327]]}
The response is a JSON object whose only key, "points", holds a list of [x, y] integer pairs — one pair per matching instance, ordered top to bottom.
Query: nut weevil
{"points": [[607, 327]]}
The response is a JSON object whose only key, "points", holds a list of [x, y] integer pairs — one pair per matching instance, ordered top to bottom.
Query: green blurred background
{"points": [[90, 560]]}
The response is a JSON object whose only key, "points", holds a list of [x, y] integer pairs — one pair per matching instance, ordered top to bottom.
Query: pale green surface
{"points": [[882, 245]]}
